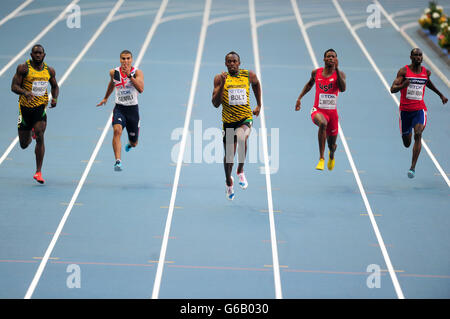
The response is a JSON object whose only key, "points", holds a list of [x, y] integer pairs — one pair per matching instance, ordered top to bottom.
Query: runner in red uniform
{"points": [[411, 81], [329, 82]]}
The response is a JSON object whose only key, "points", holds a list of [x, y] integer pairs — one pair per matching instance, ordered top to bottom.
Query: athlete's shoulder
{"points": [[245, 72]]}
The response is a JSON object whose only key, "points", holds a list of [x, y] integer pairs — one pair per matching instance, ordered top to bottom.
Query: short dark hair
{"points": [[37, 45], [329, 50], [414, 50], [126, 52], [232, 52]]}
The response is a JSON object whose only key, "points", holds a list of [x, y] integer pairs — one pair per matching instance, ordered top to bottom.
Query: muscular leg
{"points": [[322, 123], [418, 129], [39, 130], [242, 133], [24, 138], [407, 139], [117, 145], [332, 145], [230, 150]]}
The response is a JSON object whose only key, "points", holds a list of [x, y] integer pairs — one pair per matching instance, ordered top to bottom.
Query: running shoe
{"points": [[128, 147], [330, 163], [321, 164], [118, 166], [411, 173], [38, 177], [242, 180], [229, 190]]}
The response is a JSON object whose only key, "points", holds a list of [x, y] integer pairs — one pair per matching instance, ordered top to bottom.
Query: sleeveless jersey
{"points": [[35, 81], [327, 91], [126, 93], [411, 97], [236, 98]]}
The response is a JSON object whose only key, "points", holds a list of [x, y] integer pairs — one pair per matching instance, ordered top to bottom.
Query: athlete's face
{"points": [[37, 55], [416, 57], [330, 59], [125, 61], [232, 62]]}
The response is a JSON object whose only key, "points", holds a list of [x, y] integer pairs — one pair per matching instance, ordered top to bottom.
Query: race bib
{"points": [[39, 88], [415, 89], [125, 96], [237, 97], [327, 101]]}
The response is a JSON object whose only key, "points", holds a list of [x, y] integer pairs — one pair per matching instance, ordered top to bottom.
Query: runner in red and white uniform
{"points": [[411, 81], [128, 82], [329, 82]]}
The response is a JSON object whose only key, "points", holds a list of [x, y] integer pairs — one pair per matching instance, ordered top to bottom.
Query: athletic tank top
{"points": [[35, 81], [327, 91], [126, 93], [411, 97], [236, 98]]}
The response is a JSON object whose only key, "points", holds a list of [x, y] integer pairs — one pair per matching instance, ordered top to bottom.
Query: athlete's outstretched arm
{"points": [[400, 82], [219, 83], [308, 86], [431, 86], [55, 87], [256, 87], [109, 90]]}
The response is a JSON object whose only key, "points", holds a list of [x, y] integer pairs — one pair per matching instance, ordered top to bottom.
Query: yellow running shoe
{"points": [[330, 163], [321, 164]]}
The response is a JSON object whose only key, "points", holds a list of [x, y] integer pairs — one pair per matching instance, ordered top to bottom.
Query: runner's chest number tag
{"points": [[39, 88], [415, 89], [237, 97], [327, 101]]}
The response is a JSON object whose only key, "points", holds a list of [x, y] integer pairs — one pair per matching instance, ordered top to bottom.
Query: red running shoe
{"points": [[38, 177]]}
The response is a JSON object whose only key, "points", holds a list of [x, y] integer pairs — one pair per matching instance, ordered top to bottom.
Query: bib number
{"points": [[39, 88], [414, 92], [237, 97], [327, 101]]}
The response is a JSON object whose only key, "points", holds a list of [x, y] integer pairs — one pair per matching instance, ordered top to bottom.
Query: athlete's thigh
{"points": [[318, 117], [133, 124]]}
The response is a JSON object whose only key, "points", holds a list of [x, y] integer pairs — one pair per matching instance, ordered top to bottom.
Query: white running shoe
{"points": [[242, 180], [230, 190]]}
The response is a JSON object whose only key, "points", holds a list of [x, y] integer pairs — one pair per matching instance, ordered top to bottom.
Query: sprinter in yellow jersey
{"points": [[30, 83], [232, 90]]}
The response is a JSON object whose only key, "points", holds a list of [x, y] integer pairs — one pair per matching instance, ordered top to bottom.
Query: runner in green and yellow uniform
{"points": [[30, 83], [232, 90]]}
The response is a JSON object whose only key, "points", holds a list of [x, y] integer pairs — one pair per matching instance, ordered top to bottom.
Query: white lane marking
{"points": [[15, 12], [38, 37], [201, 44], [57, 233], [273, 238], [387, 259]]}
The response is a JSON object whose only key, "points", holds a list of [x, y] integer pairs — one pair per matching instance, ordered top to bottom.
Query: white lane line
{"points": [[15, 12], [38, 37], [413, 44], [198, 60], [385, 83], [353, 166], [57, 233], [273, 238], [386, 257]]}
